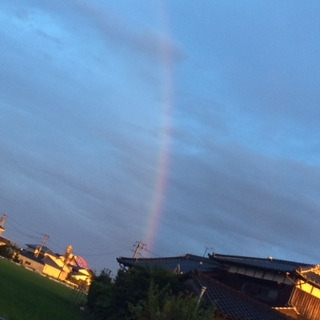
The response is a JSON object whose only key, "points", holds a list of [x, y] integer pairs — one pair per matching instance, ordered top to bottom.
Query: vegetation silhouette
{"points": [[142, 293]]}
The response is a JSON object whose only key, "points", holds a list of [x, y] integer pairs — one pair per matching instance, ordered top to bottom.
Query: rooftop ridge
{"points": [[181, 257], [235, 257]]}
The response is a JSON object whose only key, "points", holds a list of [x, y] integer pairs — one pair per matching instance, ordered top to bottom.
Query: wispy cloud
{"points": [[84, 104]]}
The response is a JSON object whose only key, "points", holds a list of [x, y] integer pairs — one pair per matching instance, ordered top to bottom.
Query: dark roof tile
{"points": [[44, 248], [31, 256], [184, 263], [263, 263], [311, 275], [235, 303]]}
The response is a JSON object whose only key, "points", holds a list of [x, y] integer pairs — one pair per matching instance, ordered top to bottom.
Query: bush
{"points": [[143, 294]]}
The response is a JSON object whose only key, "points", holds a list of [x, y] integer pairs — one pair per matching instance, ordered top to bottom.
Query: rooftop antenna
{"points": [[206, 249]]}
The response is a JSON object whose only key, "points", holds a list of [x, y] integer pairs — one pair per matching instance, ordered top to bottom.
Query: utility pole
{"points": [[3, 220], [2, 223], [45, 239], [139, 246], [66, 260], [203, 290]]}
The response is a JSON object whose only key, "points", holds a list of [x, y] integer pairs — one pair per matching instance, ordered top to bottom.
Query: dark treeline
{"points": [[144, 294]]}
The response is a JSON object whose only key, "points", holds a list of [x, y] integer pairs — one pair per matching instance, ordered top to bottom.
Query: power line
{"points": [[11, 221], [15, 227], [17, 230], [56, 245], [103, 253], [87, 254], [97, 254], [155, 254]]}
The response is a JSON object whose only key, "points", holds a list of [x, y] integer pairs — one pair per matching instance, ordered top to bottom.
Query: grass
{"points": [[25, 295]]}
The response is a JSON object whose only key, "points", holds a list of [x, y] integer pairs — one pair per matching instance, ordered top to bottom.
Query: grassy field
{"points": [[25, 295]]}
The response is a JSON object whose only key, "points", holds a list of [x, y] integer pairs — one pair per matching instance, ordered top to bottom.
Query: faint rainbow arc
{"points": [[164, 151]]}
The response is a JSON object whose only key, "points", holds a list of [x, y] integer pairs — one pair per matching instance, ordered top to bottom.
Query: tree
{"points": [[9, 251], [143, 293], [100, 295], [162, 304]]}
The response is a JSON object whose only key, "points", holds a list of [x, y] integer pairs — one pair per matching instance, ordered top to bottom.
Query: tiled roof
{"points": [[44, 248], [31, 256], [191, 262], [82, 263], [184, 263], [263, 263], [311, 275], [234, 303]]}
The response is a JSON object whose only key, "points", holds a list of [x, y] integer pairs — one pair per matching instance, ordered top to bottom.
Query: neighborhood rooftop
{"points": [[184, 263], [263, 263], [248, 288], [235, 303]]}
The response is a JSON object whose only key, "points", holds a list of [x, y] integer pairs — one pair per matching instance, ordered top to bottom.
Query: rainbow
{"points": [[156, 207]]}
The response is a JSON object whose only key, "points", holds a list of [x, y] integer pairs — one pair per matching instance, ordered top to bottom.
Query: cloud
{"points": [[84, 18], [155, 46], [85, 96], [244, 195]]}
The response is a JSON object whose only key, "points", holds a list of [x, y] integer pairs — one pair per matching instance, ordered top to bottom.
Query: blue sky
{"points": [[95, 93]]}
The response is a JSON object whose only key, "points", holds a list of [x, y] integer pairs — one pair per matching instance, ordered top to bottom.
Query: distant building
{"points": [[67, 267], [246, 288]]}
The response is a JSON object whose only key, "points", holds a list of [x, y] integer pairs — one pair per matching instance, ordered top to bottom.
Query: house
{"points": [[28, 260], [37, 261], [66, 267], [249, 287], [290, 287]]}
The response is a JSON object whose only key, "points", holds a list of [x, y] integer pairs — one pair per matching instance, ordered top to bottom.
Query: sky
{"points": [[192, 126]]}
